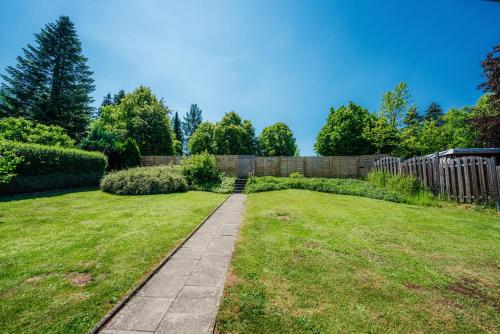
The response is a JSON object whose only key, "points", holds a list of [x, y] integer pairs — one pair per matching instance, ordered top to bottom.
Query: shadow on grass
{"points": [[43, 194]]}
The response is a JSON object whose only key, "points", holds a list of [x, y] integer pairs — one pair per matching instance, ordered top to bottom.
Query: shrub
{"points": [[22, 130], [121, 154], [129, 155], [8, 163], [46, 168], [201, 170], [296, 175], [145, 181], [406, 185], [226, 186], [409, 187]]}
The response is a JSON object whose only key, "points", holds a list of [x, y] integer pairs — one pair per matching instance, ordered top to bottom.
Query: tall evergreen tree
{"points": [[51, 82], [118, 97], [107, 100], [434, 113], [412, 117], [191, 121], [177, 128]]}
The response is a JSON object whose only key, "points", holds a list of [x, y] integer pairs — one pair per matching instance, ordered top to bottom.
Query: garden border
{"points": [[100, 325]]}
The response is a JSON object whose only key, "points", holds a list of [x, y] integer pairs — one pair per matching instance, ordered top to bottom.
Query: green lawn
{"points": [[66, 258], [309, 262]]}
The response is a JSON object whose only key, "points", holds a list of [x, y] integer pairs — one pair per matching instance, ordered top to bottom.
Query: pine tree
{"points": [[51, 82], [118, 97], [107, 100], [434, 113], [412, 117], [191, 121], [177, 128]]}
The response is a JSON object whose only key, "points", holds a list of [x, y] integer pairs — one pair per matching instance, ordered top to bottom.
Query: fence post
{"points": [[435, 170], [496, 191]]}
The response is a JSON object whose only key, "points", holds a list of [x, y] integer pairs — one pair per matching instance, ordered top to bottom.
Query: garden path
{"points": [[183, 296]]}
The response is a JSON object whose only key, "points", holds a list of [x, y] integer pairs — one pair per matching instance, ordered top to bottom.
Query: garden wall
{"points": [[234, 165]]}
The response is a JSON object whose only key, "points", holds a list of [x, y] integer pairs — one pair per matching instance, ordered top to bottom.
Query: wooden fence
{"points": [[334, 166], [463, 179]]}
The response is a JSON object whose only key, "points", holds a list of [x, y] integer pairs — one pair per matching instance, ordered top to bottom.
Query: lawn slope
{"points": [[66, 258], [309, 262]]}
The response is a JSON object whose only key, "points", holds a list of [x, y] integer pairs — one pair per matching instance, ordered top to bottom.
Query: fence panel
{"points": [[335, 166], [464, 179]]}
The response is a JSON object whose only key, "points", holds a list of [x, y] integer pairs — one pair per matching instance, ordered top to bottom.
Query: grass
{"points": [[342, 186], [67, 257], [309, 262]]}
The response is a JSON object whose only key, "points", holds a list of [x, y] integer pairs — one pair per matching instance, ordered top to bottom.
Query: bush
{"points": [[25, 131], [121, 154], [129, 155], [8, 163], [46, 168], [201, 170], [296, 175], [145, 181], [406, 185], [335, 186], [411, 188]]}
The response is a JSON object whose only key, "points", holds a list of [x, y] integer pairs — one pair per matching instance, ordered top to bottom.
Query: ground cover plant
{"points": [[344, 187], [310, 262], [63, 268]]}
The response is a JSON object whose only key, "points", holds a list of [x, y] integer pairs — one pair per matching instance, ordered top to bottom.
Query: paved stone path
{"points": [[184, 295]]}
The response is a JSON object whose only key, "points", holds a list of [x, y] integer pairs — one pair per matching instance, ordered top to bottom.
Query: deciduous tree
{"points": [[395, 104], [343, 132], [277, 140]]}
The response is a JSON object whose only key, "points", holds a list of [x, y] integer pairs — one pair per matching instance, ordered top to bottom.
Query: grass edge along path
{"points": [[309, 262], [64, 268]]}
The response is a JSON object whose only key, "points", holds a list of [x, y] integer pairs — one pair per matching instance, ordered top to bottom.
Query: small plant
{"points": [[200, 170], [296, 175], [145, 181], [406, 185], [226, 186], [409, 187]]}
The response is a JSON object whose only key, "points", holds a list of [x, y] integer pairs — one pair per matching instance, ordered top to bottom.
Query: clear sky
{"points": [[272, 61]]}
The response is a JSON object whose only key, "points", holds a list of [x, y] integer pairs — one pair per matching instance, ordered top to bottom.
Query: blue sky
{"points": [[273, 61]]}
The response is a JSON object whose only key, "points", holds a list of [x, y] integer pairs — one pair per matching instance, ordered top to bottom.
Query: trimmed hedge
{"points": [[47, 168], [145, 181]]}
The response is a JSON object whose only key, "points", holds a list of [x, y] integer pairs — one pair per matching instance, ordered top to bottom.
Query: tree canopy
{"points": [[51, 82], [395, 104], [140, 116], [191, 121], [25, 131], [343, 132], [230, 135], [202, 139], [277, 140]]}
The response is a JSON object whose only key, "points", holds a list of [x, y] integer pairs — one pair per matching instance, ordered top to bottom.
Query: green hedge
{"points": [[47, 167], [145, 181]]}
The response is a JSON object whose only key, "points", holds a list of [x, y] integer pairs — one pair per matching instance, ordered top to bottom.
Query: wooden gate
{"points": [[246, 165]]}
